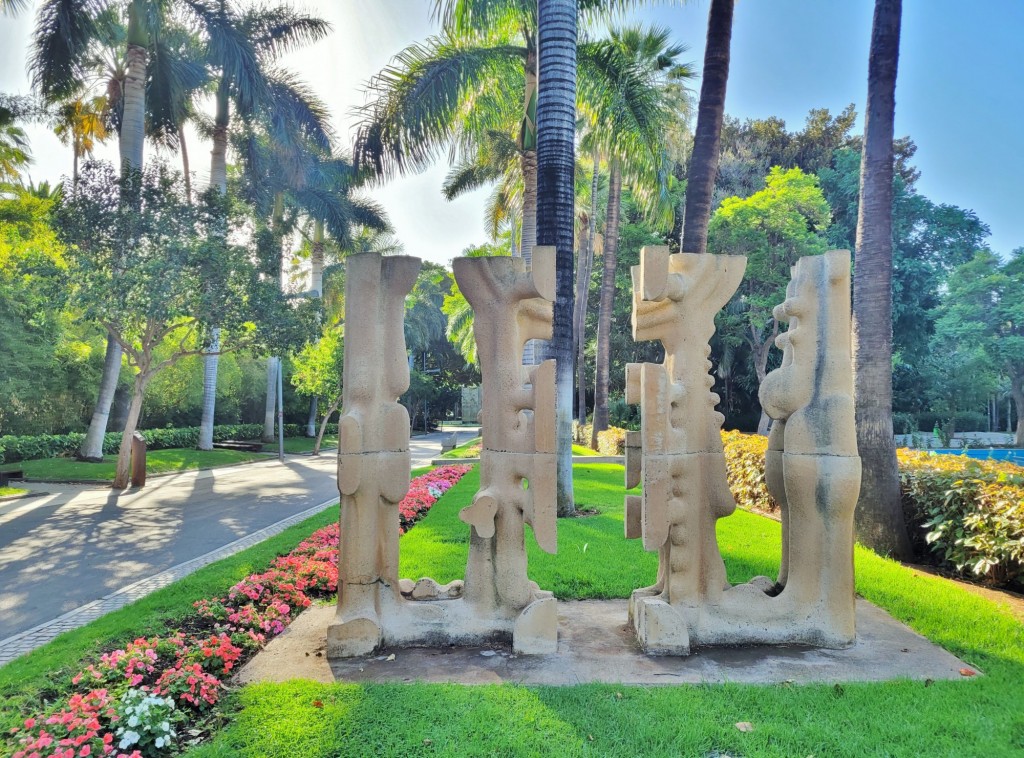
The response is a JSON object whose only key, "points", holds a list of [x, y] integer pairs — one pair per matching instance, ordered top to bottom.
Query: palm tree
{"points": [[14, 7], [240, 48], [80, 123], [707, 137], [634, 142], [14, 151], [556, 163], [879, 514]]}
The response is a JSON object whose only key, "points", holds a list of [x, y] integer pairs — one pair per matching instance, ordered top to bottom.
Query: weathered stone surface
{"points": [[373, 447], [517, 466], [812, 468]]}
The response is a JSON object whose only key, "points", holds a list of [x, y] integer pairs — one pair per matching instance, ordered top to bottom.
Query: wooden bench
{"points": [[241, 446], [7, 476]]}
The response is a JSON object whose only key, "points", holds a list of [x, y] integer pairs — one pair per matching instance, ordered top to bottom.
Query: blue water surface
{"points": [[1012, 455]]}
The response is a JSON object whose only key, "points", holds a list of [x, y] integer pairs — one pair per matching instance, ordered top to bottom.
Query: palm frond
{"points": [[64, 29], [279, 30]]}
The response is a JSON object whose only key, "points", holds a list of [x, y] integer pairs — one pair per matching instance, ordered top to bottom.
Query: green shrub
{"points": [[612, 441], [28, 448], [963, 514]]}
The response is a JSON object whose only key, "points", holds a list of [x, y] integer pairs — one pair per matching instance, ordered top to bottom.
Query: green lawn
{"points": [[294, 445], [471, 449], [157, 462], [9, 491], [982, 715], [979, 716]]}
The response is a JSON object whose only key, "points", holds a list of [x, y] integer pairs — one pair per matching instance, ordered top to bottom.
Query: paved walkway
{"points": [[78, 552]]}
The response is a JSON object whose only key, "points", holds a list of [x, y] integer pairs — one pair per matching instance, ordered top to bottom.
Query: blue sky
{"points": [[960, 94]]}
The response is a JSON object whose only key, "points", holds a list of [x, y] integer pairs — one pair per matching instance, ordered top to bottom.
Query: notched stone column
{"points": [[517, 466], [812, 467]]}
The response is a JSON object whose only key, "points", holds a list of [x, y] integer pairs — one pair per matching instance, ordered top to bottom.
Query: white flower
{"points": [[133, 721], [165, 726], [130, 738], [159, 741]]}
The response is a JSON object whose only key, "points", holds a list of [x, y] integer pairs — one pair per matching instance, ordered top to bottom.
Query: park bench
{"points": [[449, 443], [241, 446], [7, 476]]}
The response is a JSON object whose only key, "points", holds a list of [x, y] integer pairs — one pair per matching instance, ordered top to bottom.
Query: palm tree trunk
{"points": [[133, 119], [130, 146], [219, 154], [528, 161], [704, 161], [556, 163], [74, 167], [187, 173], [218, 179], [316, 261], [604, 314], [580, 316], [210, 362], [1017, 390], [134, 409], [270, 410], [92, 446], [879, 519]]}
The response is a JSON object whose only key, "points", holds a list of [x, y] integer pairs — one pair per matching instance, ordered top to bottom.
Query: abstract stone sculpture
{"points": [[517, 464], [812, 468]]}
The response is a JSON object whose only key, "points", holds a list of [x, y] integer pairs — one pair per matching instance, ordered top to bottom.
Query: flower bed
{"points": [[135, 701]]}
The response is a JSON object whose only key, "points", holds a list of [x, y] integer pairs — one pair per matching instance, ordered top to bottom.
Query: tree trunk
{"points": [[133, 118], [130, 146], [219, 154], [528, 161], [556, 164], [74, 167], [703, 170], [186, 171], [218, 179], [316, 261], [579, 317], [762, 348], [602, 360], [210, 362], [1018, 401], [134, 409], [270, 412], [311, 421], [323, 424], [92, 446], [879, 520]]}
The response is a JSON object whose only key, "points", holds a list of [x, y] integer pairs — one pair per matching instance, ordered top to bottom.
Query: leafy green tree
{"points": [[773, 228], [140, 269], [318, 370]]}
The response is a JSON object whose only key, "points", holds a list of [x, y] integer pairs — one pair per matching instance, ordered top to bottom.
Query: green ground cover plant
{"points": [[157, 462], [11, 491]]}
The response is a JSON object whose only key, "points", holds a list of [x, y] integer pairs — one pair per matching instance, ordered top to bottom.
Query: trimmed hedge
{"points": [[14, 449], [963, 514]]}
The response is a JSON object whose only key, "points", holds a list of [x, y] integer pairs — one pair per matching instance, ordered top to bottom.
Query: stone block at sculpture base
{"points": [[812, 467], [536, 629]]}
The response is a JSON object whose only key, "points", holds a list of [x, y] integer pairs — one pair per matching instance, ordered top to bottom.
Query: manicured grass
{"points": [[294, 445], [471, 449], [157, 462], [9, 491], [983, 715]]}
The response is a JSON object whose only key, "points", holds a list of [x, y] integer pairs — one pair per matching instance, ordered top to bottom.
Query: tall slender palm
{"points": [[64, 32], [241, 47], [80, 123], [707, 137], [633, 139], [556, 164], [879, 514]]}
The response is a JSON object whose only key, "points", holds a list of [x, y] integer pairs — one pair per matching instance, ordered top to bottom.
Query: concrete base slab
{"points": [[596, 644]]}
